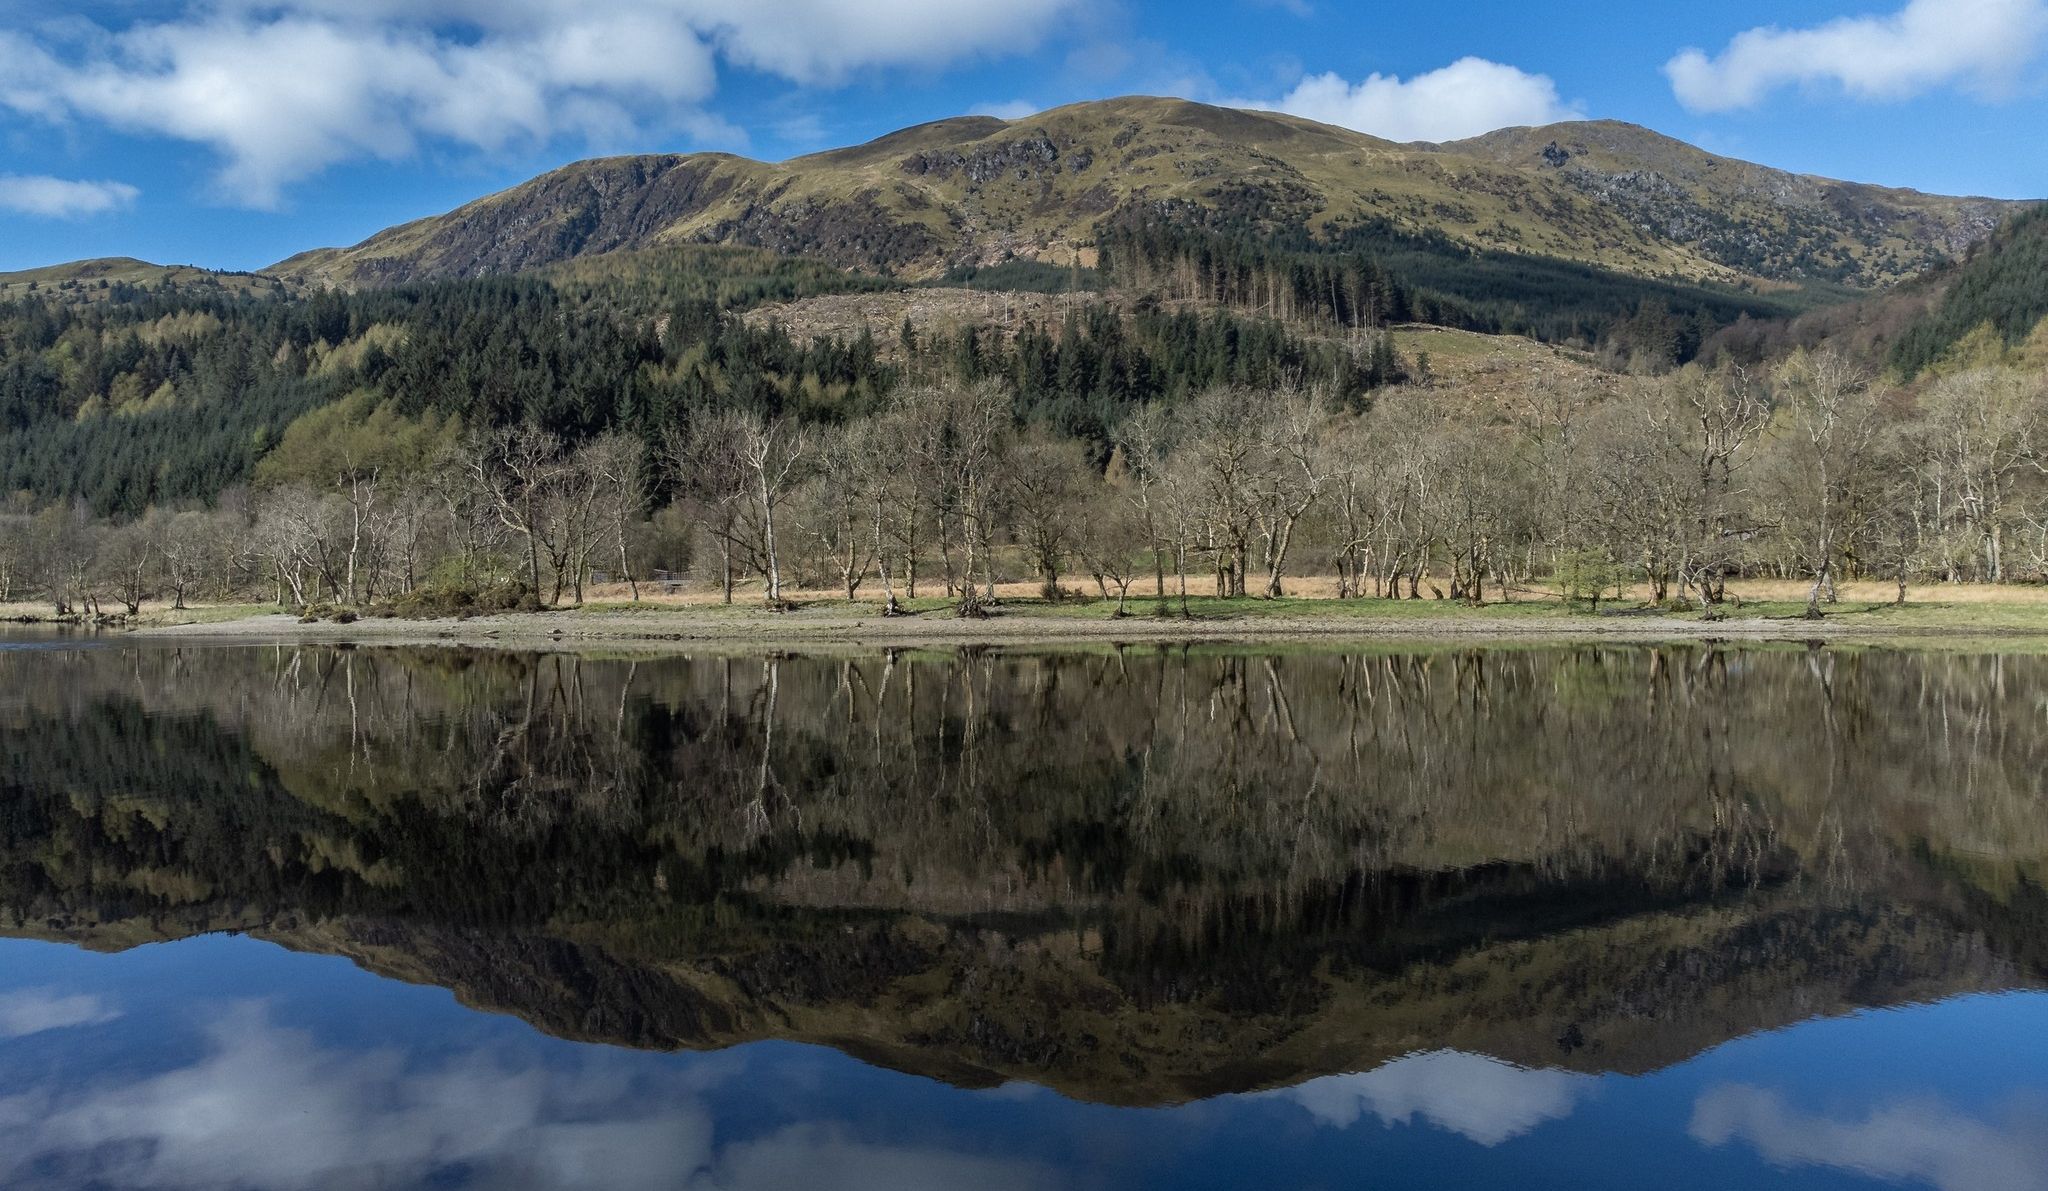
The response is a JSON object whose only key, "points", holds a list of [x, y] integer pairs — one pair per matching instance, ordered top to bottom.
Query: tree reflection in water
{"points": [[1138, 876]]}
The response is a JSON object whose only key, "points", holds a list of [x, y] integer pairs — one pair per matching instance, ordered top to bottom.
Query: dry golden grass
{"points": [[693, 593], [1930, 606], [153, 611]]}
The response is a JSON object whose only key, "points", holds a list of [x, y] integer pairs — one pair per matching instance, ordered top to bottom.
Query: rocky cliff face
{"points": [[1750, 218]]}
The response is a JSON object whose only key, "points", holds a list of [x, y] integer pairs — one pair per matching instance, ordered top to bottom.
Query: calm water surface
{"points": [[1563, 917]]}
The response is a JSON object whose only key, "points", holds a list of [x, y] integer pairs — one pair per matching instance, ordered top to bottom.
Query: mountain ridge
{"points": [[977, 190], [970, 192]]}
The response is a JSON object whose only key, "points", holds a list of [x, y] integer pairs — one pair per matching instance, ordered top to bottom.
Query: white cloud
{"points": [[814, 41], [1980, 44], [285, 88], [1466, 98], [1016, 109], [62, 198], [37, 1011], [1484, 1099], [270, 1107], [1921, 1142]]}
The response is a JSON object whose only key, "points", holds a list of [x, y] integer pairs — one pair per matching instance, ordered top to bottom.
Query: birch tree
{"points": [[773, 453], [617, 463], [1295, 469]]}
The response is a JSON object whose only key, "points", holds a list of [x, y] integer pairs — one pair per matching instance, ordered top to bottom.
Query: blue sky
{"points": [[231, 133]]}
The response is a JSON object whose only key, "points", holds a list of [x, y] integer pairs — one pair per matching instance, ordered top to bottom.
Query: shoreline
{"points": [[681, 628]]}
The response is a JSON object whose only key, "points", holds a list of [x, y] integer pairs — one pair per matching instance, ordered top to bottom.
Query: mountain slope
{"points": [[978, 190], [1750, 218], [2003, 287], [1990, 307]]}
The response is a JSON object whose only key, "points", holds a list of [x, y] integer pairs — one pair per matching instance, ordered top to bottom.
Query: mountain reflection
{"points": [[1137, 877]]}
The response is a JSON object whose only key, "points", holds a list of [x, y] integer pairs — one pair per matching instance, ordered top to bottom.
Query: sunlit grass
{"points": [[154, 612]]}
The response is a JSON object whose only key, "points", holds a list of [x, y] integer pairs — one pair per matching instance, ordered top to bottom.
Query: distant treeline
{"points": [[1371, 273], [730, 277], [1022, 277]]}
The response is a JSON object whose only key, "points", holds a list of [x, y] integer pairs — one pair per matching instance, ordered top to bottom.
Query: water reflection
{"points": [[1140, 878], [1436, 894]]}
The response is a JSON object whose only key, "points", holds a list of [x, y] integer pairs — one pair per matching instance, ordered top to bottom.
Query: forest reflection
{"points": [[1140, 876]]}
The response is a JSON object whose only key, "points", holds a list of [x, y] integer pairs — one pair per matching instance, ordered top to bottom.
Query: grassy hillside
{"points": [[979, 191], [113, 277]]}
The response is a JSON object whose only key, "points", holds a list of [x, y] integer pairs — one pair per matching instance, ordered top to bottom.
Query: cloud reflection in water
{"points": [[36, 1011], [1483, 1099], [270, 1106], [1919, 1141]]}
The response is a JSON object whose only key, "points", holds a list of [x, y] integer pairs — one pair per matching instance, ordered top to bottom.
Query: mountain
{"points": [[980, 191]]}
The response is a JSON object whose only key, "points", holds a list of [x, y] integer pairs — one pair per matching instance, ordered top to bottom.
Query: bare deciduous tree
{"points": [[1142, 443], [1824, 451], [703, 458], [618, 464], [1296, 466], [514, 471], [1048, 481], [834, 504], [1114, 538], [127, 558]]}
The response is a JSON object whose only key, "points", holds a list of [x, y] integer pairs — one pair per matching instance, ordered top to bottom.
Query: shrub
{"points": [[1588, 576], [453, 600]]}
